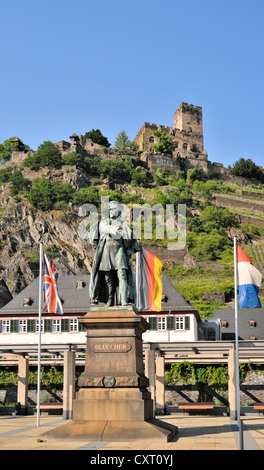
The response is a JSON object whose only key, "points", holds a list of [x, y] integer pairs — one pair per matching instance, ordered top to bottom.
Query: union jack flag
{"points": [[51, 297]]}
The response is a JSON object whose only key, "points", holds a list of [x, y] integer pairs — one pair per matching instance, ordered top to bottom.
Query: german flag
{"points": [[150, 285]]}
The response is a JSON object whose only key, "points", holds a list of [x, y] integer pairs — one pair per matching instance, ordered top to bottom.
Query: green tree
{"points": [[97, 137], [122, 141], [165, 143], [47, 154], [247, 169], [196, 174], [5, 175], [141, 177], [18, 183], [44, 194], [86, 195], [207, 246]]}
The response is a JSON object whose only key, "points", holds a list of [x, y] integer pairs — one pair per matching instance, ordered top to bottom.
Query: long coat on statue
{"points": [[97, 236]]}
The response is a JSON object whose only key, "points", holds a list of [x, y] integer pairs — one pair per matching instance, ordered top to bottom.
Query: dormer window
{"points": [[80, 285], [27, 302], [252, 323], [224, 324], [252, 338]]}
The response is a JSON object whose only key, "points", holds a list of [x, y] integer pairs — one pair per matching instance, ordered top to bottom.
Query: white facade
{"points": [[174, 327], [66, 330]]}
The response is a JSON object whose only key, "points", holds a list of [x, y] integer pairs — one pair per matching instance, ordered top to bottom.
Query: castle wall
{"points": [[188, 132]]}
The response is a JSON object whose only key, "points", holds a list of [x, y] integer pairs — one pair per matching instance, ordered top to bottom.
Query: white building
{"points": [[178, 321]]}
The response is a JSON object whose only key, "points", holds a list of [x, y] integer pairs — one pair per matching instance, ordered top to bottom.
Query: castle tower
{"points": [[189, 121]]}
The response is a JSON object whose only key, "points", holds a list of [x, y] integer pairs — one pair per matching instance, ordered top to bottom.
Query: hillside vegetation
{"points": [[40, 197]]}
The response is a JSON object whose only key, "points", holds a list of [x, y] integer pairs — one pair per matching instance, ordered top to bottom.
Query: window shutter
{"points": [[152, 323], [170, 323], [187, 323], [64, 324], [47, 325], [0, 326], [14, 326], [31, 326], [81, 326]]}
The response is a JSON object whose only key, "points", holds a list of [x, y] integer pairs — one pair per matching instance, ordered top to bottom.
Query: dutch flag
{"points": [[249, 281]]}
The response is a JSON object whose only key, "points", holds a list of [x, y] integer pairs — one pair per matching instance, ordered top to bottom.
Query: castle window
{"points": [[151, 140], [185, 146]]}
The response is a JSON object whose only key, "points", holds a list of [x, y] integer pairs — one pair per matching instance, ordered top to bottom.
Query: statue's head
{"points": [[115, 209]]}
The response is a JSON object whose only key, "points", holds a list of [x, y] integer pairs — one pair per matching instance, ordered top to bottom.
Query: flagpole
{"points": [[137, 278], [39, 336], [236, 348]]}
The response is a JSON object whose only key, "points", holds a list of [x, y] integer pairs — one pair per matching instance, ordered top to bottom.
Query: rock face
{"points": [[23, 227]]}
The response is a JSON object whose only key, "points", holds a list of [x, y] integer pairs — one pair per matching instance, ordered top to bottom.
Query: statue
{"points": [[112, 278]]}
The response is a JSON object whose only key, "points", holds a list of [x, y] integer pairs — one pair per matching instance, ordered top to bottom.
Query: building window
{"points": [[151, 140], [185, 146], [80, 284], [161, 323], [179, 323], [252, 323], [73, 324], [224, 324], [55, 325], [5, 326], [22, 326], [37, 326]]}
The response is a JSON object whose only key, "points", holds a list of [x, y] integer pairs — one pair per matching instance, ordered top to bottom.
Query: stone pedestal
{"points": [[113, 402]]}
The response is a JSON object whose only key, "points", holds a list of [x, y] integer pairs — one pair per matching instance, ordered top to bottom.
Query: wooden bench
{"points": [[200, 406], [50, 407], [259, 407]]}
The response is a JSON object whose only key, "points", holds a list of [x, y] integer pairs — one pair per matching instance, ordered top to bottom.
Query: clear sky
{"points": [[75, 65]]}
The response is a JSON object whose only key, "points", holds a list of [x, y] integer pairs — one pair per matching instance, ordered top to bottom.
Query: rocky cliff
{"points": [[23, 227]]}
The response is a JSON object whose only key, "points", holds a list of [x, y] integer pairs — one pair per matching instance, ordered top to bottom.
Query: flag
{"points": [[249, 281], [150, 286], [51, 297]]}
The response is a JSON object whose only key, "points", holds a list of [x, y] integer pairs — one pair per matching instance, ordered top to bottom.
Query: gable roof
{"points": [[76, 300]]}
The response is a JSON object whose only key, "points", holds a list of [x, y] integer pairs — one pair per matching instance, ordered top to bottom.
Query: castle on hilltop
{"points": [[187, 132]]}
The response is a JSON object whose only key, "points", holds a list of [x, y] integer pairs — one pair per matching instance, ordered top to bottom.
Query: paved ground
{"points": [[194, 433]]}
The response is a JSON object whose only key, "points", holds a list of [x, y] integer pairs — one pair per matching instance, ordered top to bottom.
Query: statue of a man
{"points": [[112, 278]]}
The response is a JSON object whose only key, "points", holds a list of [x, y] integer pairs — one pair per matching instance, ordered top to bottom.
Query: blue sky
{"points": [[75, 65]]}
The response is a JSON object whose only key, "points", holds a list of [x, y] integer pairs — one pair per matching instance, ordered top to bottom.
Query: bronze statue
{"points": [[112, 278]]}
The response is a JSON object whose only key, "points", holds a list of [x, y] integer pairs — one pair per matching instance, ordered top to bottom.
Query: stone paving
{"points": [[194, 433]]}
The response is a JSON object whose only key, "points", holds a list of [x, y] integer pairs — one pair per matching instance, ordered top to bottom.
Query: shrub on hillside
{"points": [[47, 155], [44, 194]]}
